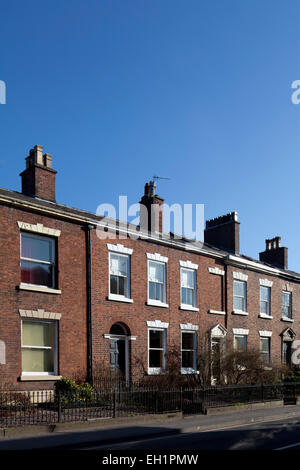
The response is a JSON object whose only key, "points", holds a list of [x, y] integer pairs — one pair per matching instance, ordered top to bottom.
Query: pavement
{"points": [[105, 432]]}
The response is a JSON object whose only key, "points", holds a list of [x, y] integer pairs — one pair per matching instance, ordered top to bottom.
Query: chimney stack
{"points": [[38, 179], [151, 210], [224, 232], [275, 254]]}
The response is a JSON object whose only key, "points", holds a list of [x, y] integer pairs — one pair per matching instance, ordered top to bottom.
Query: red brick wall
{"points": [[71, 303], [135, 315], [253, 322]]}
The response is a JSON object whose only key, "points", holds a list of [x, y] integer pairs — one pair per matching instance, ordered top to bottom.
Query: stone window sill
{"points": [[34, 288], [119, 298], [157, 303], [189, 308], [239, 312], [266, 317], [290, 320], [155, 371], [186, 371], [40, 378]]}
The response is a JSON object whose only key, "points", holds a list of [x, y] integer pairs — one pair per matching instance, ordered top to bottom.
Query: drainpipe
{"points": [[88, 230], [225, 295]]}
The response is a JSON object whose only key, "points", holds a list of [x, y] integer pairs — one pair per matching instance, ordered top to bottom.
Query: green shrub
{"points": [[65, 386], [86, 391], [73, 394]]}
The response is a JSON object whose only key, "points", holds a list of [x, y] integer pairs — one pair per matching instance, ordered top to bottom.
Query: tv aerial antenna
{"points": [[155, 178]]}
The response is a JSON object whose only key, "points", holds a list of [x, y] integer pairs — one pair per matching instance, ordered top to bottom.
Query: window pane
{"points": [[38, 248], [118, 265], [156, 272], [36, 273], [187, 278], [114, 284], [118, 285], [240, 288], [156, 291], [265, 293], [187, 296], [239, 297], [286, 298], [238, 303], [287, 304], [264, 307], [37, 334], [156, 339], [187, 340], [240, 343], [264, 344], [265, 348], [155, 358], [187, 359], [36, 360]]}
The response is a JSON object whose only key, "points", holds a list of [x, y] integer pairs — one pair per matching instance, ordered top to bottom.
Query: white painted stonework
{"points": [[39, 228], [119, 249], [40, 314]]}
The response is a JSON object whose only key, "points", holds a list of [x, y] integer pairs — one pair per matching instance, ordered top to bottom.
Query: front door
{"points": [[117, 356]]}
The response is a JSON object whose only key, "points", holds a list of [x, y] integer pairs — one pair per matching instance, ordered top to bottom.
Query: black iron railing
{"points": [[48, 407]]}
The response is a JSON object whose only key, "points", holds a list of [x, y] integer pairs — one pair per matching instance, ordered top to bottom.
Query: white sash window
{"points": [[119, 275]]}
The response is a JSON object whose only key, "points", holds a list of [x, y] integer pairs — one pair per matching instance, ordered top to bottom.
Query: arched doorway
{"points": [[119, 351]]}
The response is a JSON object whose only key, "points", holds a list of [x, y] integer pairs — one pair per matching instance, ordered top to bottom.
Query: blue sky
{"points": [[195, 90]]}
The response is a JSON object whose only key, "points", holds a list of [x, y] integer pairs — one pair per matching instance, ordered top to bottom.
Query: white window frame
{"points": [[47, 263], [290, 295], [126, 296], [154, 302], [268, 302], [193, 306], [235, 310], [240, 335], [54, 348], [263, 352], [157, 370], [190, 370]]}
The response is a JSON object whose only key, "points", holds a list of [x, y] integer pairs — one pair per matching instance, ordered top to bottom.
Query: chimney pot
{"points": [[47, 160], [152, 187]]}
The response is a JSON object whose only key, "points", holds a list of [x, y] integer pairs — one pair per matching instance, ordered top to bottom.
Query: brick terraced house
{"points": [[71, 300]]}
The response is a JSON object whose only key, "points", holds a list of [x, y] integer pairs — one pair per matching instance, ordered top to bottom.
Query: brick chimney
{"points": [[38, 180], [151, 210], [224, 232], [275, 254]]}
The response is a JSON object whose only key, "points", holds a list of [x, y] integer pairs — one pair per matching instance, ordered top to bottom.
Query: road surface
{"points": [[278, 435]]}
